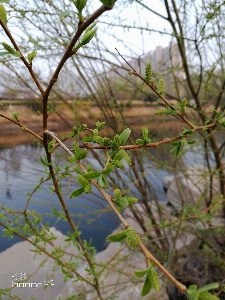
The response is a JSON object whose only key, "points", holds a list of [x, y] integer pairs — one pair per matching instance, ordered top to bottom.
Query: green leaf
{"points": [[108, 3], [80, 4], [3, 14], [64, 14], [8, 47], [4, 53], [16, 54], [31, 56], [15, 116], [99, 125], [187, 131], [145, 132], [125, 135], [87, 139], [140, 142], [191, 142], [175, 143], [51, 145], [76, 147], [177, 153], [122, 154], [126, 157], [108, 170], [91, 175], [81, 180], [102, 181], [87, 188], [77, 193], [117, 193], [122, 202], [117, 237], [140, 274], [211, 286], [146, 287], [192, 292], [207, 296]]}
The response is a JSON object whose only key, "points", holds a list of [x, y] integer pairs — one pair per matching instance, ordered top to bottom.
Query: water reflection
{"points": [[20, 170]]}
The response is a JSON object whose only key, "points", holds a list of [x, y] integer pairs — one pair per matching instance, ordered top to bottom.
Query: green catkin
{"points": [[148, 73], [160, 87], [183, 105], [161, 112], [117, 140], [82, 154], [118, 164], [131, 200], [133, 239], [153, 278]]}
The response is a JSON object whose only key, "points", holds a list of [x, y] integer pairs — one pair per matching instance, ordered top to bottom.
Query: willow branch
{"points": [[27, 64], [24, 128]]}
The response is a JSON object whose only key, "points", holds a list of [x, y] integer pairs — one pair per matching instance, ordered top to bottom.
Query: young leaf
{"points": [[108, 3], [80, 4], [3, 14], [64, 14], [8, 48], [4, 53], [31, 56], [15, 116], [99, 125], [187, 131], [145, 132], [124, 136], [87, 139], [140, 142], [191, 142], [175, 143], [51, 145], [76, 147], [177, 153], [122, 154], [108, 170], [91, 175], [82, 181], [102, 181], [105, 183], [87, 188], [77, 193], [117, 193], [122, 202], [118, 237], [140, 274], [211, 286], [146, 287], [192, 292], [207, 296]]}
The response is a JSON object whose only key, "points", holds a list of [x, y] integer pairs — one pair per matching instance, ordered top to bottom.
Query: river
{"points": [[20, 170]]}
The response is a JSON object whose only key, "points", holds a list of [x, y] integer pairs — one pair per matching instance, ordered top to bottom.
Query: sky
{"points": [[141, 43]]}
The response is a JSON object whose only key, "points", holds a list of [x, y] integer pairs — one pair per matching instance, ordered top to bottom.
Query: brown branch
{"points": [[27, 64], [24, 128], [108, 198]]}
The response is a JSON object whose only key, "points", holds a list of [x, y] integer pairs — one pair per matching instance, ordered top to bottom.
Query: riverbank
{"points": [[64, 117]]}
